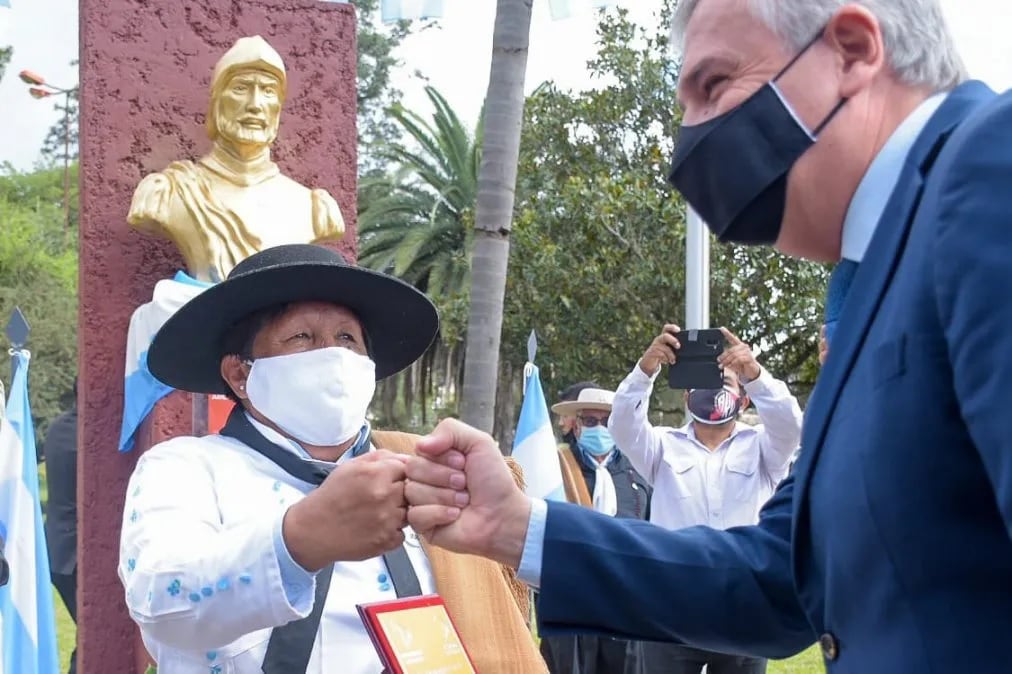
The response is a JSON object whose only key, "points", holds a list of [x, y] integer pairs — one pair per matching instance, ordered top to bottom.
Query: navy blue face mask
{"points": [[733, 168]]}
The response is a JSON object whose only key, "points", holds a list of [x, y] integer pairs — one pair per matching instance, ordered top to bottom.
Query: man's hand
{"points": [[823, 346], [662, 351], [738, 357], [463, 496], [357, 513]]}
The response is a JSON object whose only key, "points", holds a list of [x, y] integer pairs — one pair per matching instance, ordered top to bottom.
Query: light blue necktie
{"points": [[836, 293]]}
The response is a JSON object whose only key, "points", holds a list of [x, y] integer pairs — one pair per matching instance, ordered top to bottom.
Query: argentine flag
{"points": [[563, 9], [401, 10], [140, 389], [534, 446], [26, 603]]}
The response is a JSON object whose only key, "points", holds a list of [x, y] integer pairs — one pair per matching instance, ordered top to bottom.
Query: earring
{"points": [[242, 387]]}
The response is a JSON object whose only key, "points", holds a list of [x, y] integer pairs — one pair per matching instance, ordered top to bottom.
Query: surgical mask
{"points": [[732, 169], [319, 397], [713, 407], [595, 441]]}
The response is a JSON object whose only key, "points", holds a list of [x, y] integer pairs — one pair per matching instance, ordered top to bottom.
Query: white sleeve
{"points": [[781, 424], [630, 427], [192, 582]]}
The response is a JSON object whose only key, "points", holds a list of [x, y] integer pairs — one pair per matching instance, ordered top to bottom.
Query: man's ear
{"points": [[855, 35], [234, 371]]}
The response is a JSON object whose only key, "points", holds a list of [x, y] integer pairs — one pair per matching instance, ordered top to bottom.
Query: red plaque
{"points": [[416, 636]]}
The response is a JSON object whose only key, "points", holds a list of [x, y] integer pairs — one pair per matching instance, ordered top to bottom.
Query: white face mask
{"points": [[319, 397]]}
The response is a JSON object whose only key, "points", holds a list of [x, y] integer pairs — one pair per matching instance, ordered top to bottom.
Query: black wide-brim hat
{"points": [[400, 322]]}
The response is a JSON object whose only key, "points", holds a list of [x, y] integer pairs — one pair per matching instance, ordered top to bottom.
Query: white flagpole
{"points": [[697, 272]]}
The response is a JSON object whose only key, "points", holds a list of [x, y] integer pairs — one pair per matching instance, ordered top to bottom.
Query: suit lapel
{"points": [[871, 282]]}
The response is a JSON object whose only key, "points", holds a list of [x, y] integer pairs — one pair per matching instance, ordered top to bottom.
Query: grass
{"points": [[66, 631], [808, 662]]}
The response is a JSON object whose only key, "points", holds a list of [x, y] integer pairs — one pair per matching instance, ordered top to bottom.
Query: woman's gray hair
{"points": [[919, 47]]}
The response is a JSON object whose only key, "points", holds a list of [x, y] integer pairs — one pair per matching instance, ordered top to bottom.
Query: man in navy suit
{"points": [[838, 132]]}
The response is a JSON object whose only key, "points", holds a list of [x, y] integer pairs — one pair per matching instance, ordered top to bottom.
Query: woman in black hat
{"points": [[249, 551]]}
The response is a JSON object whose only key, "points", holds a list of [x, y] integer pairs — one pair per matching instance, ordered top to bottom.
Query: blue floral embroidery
{"points": [[277, 485], [137, 490], [134, 516], [131, 564], [245, 579], [224, 584], [174, 588], [206, 591], [151, 596], [194, 597], [211, 655], [216, 669]]}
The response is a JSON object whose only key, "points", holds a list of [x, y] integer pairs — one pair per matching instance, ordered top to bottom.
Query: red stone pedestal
{"points": [[145, 71]]}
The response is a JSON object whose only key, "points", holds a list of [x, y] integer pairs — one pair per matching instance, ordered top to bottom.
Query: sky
{"points": [[453, 54]]}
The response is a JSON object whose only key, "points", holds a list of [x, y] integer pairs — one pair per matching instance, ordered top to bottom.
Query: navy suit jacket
{"points": [[891, 543]]}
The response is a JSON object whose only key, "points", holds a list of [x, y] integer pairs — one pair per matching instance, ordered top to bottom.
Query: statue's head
{"points": [[247, 91]]}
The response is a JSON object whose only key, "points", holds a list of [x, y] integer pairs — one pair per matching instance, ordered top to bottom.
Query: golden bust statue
{"points": [[234, 201]]}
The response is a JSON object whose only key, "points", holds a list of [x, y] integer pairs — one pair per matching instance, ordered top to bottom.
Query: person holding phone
{"points": [[713, 470]]}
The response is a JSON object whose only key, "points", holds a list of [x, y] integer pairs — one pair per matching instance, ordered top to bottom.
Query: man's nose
{"points": [[256, 100]]}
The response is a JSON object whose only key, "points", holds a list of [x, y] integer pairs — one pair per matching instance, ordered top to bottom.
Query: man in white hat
{"points": [[596, 474]]}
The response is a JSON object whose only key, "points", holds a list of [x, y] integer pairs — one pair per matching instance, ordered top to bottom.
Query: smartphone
{"points": [[697, 365]]}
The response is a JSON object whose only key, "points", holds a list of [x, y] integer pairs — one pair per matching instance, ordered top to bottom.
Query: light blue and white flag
{"points": [[5, 3], [563, 9], [401, 10], [140, 389], [534, 445], [26, 602]]}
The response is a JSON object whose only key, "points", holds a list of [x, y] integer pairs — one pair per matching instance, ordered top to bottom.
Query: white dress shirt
{"points": [[876, 187], [692, 485], [205, 577]]}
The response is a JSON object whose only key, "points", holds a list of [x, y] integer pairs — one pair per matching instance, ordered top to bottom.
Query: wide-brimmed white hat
{"points": [[589, 399]]}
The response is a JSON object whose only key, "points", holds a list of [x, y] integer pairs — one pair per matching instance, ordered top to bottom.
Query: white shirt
{"points": [[692, 485], [202, 572]]}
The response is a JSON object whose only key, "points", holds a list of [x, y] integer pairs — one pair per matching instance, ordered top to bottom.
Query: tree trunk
{"points": [[497, 178]]}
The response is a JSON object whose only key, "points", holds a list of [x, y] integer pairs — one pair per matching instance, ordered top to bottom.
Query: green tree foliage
{"points": [[5, 58], [376, 62], [419, 221], [38, 272]]}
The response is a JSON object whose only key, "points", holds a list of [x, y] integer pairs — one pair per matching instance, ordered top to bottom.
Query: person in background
{"points": [[566, 422], [60, 452], [714, 470], [596, 475]]}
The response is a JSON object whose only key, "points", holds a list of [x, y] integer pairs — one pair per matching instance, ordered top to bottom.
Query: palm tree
{"points": [[497, 177], [417, 223]]}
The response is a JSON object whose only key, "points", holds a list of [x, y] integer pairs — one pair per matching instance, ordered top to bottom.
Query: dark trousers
{"points": [[66, 586], [584, 654], [674, 659]]}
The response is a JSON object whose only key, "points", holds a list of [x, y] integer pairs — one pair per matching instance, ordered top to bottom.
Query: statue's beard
{"points": [[236, 133]]}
